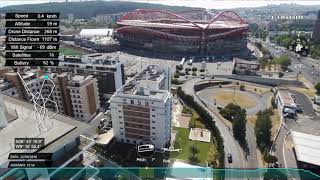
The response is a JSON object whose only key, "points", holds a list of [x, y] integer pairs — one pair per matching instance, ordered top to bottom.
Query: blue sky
{"points": [[212, 4]]}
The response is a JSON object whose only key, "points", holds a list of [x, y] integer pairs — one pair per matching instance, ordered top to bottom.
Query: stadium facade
{"points": [[161, 31]]}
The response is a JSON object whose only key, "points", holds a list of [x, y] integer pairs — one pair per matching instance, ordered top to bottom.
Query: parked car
{"points": [[299, 109], [106, 112], [103, 120], [101, 126]]}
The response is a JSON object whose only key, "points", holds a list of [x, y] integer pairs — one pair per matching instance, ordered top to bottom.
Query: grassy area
{"points": [[70, 52], [308, 92], [227, 97], [275, 119], [205, 150]]}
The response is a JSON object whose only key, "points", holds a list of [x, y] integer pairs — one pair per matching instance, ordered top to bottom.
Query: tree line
{"points": [[238, 116], [208, 121]]}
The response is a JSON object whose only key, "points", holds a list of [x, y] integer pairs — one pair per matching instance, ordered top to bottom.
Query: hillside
{"points": [[88, 9]]}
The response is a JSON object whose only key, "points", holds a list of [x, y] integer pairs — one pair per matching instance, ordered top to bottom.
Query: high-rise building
{"points": [[316, 28], [108, 72], [31, 79], [60, 92], [74, 95], [84, 97], [141, 109]]}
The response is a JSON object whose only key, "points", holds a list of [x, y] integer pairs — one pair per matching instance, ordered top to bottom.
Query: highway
{"points": [[310, 68], [240, 160]]}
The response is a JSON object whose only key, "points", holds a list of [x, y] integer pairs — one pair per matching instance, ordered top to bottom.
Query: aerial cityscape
{"points": [[151, 90]]}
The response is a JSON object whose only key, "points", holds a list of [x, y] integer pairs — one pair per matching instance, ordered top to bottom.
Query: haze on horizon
{"points": [[209, 4]]}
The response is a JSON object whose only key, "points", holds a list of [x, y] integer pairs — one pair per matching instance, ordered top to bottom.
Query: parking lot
{"points": [[134, 64], [307, 120]]}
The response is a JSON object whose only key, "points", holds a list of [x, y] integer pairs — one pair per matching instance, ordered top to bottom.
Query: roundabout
{"points": [[250, 101]]}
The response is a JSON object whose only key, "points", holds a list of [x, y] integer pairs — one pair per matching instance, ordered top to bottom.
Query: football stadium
{"points": [[160, 31]]}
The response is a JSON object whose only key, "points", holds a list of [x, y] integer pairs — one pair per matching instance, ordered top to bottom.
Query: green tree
{"points": [[283, 61], [242, 87], [317, 87], [229, 111], [239, 126], [263, 129], [270, 158], [275, 174]]}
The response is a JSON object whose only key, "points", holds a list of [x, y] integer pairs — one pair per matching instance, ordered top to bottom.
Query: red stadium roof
{"points": [[163, 19]]}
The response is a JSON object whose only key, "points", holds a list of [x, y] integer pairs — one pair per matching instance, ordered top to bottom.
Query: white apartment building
{"points": [[84, 97], [141, 109]]}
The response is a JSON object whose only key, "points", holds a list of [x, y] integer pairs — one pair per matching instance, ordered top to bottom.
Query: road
{"points": [[309, 68], [230, 144]]}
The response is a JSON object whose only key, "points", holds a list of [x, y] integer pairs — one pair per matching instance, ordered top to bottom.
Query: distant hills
{"points": [[88, 9]]}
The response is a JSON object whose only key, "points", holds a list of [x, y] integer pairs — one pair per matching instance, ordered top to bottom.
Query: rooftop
{"points": [[183, 25], [96, 32], [96, 59], [238, 60], [78, 80], [148, 82], [286, 98], [61, 129], [307, 147]]}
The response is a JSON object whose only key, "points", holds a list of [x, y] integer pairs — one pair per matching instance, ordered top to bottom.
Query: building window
{"points": [[132, 101], [139, 103], [147, 103], [119, 105], [80, 106], [152, 109], [119, 111], [81, 115], [153, 115], [120, 116], [153, 121], [120, 122], [121, 128], [153, 128], [121, 133], [153, 133], [154, 139], [122, 140], [128, 140], [134, 141]]}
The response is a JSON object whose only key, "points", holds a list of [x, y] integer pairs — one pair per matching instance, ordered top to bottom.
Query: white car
{"points": [[107, 112], [145, 148]]}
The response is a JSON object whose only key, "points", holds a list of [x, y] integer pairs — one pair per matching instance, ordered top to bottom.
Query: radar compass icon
{"points": [[300, 45]]}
